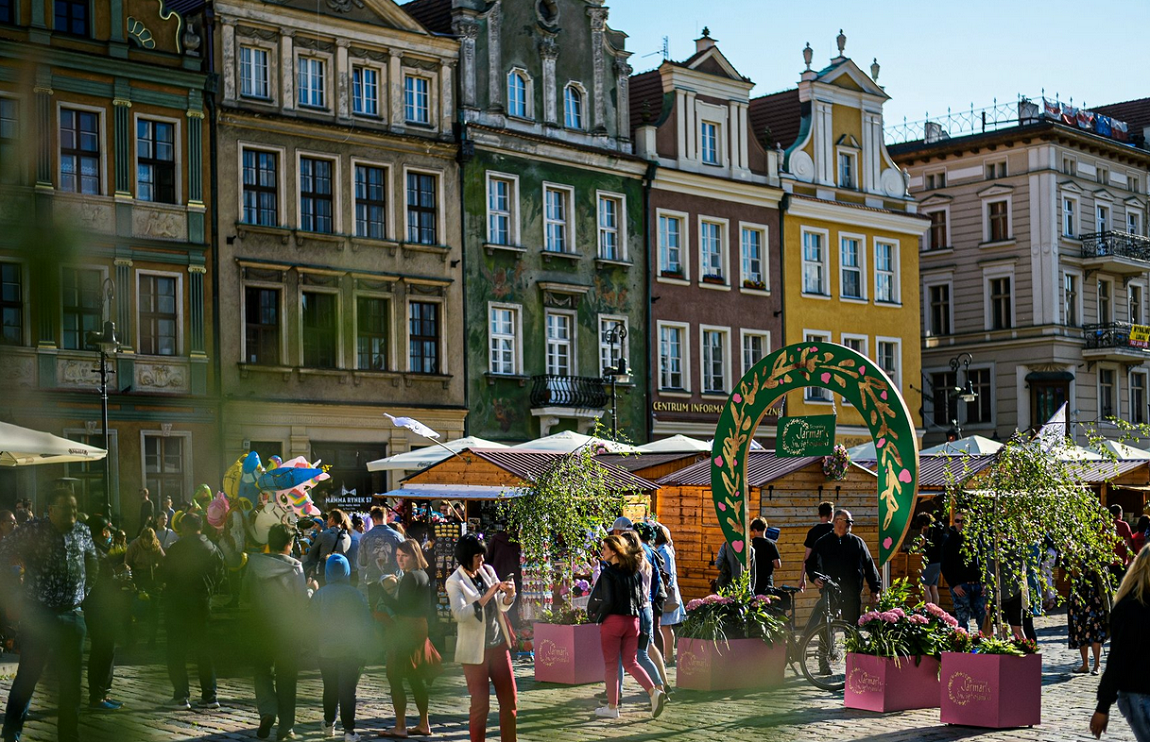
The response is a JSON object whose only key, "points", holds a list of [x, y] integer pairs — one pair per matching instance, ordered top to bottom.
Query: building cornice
{"points": [[613, 163], [721, 189], [857, 216]]}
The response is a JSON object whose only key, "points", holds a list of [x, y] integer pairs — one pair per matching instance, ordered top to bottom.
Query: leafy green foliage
{"points": [[734, 613], [900, 627], [980, 643]]}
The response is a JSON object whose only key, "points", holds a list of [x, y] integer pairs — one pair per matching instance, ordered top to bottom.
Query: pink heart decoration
{"points": [[813, 349], [862, 370], [826, 377], [883, 395], [738, 398], [880, 443], [718, 461], [734, 462], [904, 476], [722, 507], [886, 542], [737, 546]]}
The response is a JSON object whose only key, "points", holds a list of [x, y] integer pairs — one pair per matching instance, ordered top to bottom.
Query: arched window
{"points": [[517, 94], [573, 107]]}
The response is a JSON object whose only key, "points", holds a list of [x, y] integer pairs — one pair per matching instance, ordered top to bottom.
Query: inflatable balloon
{"points": [[275, 462], [251, 473], [232, 478], [287, 478], [217, 511]]}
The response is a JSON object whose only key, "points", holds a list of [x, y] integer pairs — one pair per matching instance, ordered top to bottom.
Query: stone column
{"points": [[598, 17], [467, 29], [548, 52], [228, 61], [287, 68], [495, 76], [342, 80], [395, 85], [446, 98], [623, 108], [44, 126], [691, 126], [122, 142], [195, 158], [123, 303], [196, 304]]}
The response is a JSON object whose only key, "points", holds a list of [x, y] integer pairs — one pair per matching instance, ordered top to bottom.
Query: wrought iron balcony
{"points": [[1113, 244], [1112, 341], [579, 392]]}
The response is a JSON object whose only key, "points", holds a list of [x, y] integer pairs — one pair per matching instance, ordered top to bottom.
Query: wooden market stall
{"points": [[783, 491]]}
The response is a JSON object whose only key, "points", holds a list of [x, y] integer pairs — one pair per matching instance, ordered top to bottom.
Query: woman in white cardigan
{"points": [[483, 646]]}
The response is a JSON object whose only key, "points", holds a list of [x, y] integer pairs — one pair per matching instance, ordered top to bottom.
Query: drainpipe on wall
{"points": [[466, 152], [648, 180], [214, 191], [783, 339]]}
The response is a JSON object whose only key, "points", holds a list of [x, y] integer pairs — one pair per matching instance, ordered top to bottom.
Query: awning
{"points": [[1050, 376], [453, 492]]}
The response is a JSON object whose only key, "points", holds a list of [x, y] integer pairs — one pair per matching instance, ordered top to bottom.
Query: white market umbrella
{"points": [[568, 441], [675, 444], [971, 444], [755, 445], [25, 447], [1120, 450], [862, 452], [1075, 453], [421, 458]]}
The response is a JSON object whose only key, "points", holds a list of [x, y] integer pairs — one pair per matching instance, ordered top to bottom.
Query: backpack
{"points": [[669, 604]]}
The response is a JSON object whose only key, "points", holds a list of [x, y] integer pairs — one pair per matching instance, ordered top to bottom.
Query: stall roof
{"points": [[631, 462], [529, 465], [762, 468], [936, 472], [1096, 472], [453, 492]]}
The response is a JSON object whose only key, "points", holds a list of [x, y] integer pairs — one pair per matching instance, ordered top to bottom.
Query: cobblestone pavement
{"points": [[550, 713]]}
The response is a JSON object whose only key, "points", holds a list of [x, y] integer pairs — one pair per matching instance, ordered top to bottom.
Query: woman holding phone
{"points": [[483, 647]]}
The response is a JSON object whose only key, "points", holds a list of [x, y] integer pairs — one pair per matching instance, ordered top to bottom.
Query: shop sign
{"points": [[1140, 336], [812, 435]]}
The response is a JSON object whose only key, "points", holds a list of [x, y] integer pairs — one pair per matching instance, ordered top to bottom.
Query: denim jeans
{"points": [[970, 605], [646, 624], [45, 635], [1136, 708]]}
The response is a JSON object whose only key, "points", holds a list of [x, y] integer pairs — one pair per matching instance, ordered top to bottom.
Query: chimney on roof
{"points": [[704, 42]]}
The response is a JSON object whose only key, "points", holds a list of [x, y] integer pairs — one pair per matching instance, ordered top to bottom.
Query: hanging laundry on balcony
{"points": [[1052, 109], [1085, 119]]}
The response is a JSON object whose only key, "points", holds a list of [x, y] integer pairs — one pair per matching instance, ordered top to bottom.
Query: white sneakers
{"points": [[658, 701], [606, 712], [329, 730], [350, 737]]}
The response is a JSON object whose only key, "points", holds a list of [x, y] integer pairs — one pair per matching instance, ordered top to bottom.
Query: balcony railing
{"points": [[1116, 244], [1112, 335], [568, 391]]}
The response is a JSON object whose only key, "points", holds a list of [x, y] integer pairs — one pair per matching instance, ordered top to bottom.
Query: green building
{"points": [[554, 247]]}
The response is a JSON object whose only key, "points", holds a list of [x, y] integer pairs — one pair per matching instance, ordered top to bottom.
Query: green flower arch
{"points": [[864, 385]]}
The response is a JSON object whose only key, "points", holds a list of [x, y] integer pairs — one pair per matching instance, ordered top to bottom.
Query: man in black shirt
{"points": [[814, 534], [766, 556], [845, 558], [59, 561], [964, 575]]}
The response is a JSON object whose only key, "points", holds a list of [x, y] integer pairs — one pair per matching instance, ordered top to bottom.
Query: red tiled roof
{"points": [[434, 15], [646, 98], [781, 112], [1136, 114], [530, 465]]}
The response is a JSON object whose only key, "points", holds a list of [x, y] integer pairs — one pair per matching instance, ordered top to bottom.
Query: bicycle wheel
{"points": [[824, 656]]}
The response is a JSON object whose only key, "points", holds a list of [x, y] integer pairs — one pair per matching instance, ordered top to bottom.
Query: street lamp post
{"points": [[107, 343], [618, 373], [965, 392]]}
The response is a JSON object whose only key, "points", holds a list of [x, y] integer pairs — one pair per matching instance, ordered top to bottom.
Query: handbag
{"points": [[596, 603]]}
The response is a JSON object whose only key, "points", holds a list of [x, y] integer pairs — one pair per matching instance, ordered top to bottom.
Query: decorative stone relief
{"points": [[344, 6], [139, 33], [256, 33], [803, 167], [892, 182], [89, 215], [158, 224], [17, 372], [77, 373], [165, 377]]}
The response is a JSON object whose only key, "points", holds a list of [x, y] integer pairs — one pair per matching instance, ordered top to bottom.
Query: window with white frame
{"points": [[254, 72], [311, 82], [365, 90], [518, 94], [416, 99], [573, 107], [80, 137], [709, 142], [156, 161], [1069, 165], [847, 170], [996, 170], [1102, 175], [935, 180], [1134, 182], [260, 187], [316, 197], [371, 201], [501, 202], [422, 210], [1069, 217], [1102, 218], [557, 221], [998, 221], [1133, 221], [611, 228], [938, 237], [753, 244], [671, 246], [711, 251], [814, 264], [850, 267], [886, 272], [1135, 294], [938, 295], [1000, 299], [1105, 301], [158, 307], [1071, 314], [319, 320], [262, 325], [371, 325], [423, 337], [503, 338], [857, 343], [560, 344], [756, 345], [612, 348], [888, 356], [672, 357], [714, 358], [1107, 391], [814, 393], [1138, 397], [981, 410], [164, 465]]}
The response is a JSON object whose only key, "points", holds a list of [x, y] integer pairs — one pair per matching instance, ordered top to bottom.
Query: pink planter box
{"points": [[571, 655], [739, 663], [881, 684], [991, 690]]}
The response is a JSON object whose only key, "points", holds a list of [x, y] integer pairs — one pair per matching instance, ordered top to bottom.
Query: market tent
{"points": [[568, 441], [675, 443], [971, 444], [755, 445], [25, 447], [1121, 450], [1076, 453], [421, 458], [453, 492]]}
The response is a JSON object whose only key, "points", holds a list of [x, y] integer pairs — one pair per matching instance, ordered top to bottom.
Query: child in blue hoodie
{"points": [[343, 619]]}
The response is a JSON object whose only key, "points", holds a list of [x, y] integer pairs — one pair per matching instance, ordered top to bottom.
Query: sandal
{"points": [[1081, 670], [392, 733]]}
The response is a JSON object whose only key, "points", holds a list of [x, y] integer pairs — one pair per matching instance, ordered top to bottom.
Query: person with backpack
{"points": [[933, 534], [335, 539], [673, 610]]}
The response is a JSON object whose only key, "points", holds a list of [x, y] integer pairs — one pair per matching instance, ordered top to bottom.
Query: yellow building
{"points": [[850, 231]]}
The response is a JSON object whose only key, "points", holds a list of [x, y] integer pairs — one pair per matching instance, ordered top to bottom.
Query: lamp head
{"points": [[105, 340]]}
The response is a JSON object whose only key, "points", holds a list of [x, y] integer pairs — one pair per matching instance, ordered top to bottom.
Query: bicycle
{"points": [[818, 652]]}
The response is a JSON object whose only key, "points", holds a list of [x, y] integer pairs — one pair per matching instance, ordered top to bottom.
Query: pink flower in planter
{"points": [[711, 599], [692, 605], [935, 611], [898, 612], [889, 616], [867, 617], [919, 620], [950, 620]]}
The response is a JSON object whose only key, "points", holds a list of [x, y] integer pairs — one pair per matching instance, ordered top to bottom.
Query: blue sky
{"points": [[932, 55]]}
